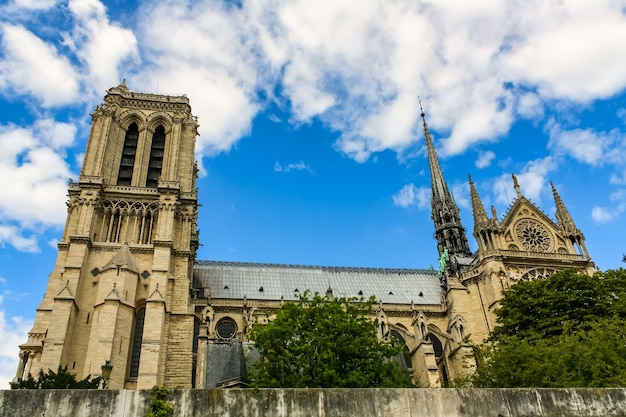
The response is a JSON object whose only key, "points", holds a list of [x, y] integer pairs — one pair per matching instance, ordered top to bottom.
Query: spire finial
{"points": [[516, 186]]}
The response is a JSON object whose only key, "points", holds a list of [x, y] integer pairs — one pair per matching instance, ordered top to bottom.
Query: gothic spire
{"points": [[439, 187], [480, 215], [564, 219], [449, 231]]}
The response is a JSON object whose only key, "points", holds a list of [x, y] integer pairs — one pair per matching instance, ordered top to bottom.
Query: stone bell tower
{"points": [[120, 289]]}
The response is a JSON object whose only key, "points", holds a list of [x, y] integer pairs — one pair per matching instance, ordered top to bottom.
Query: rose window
{"points": [[533, 235]]}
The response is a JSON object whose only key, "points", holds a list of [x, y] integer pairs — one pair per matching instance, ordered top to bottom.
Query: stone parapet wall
{"points": [[427, 402]]}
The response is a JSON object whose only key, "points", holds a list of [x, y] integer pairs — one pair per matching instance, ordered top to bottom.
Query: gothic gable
{"points": [[526, 228]]}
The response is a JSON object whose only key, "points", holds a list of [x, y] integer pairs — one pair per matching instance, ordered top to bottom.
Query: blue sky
{"points": [[311, 144]]}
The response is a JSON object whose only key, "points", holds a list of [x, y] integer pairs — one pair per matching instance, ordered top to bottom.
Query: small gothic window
{"points": [[156, 157], [125, 175], [226, 328], [137, 338]]}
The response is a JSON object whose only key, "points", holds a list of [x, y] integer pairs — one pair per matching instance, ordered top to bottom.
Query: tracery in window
{"points": [[127, 164], [533, 235], [537, 273]]}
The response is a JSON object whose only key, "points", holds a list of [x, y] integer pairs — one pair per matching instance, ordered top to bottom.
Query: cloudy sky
{"points": [[311, 144]]}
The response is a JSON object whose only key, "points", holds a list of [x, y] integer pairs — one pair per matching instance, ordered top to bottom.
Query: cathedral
{"points": [[127, 290]]}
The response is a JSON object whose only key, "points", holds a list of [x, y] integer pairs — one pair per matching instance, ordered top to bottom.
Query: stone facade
{"points": [[126, 286]]}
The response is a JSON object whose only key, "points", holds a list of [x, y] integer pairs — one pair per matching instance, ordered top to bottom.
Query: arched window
{"points": [[156, 157], [125, 175], [137, 338]]}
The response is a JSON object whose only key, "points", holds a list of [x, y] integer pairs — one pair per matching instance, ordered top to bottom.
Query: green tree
{"points": [[567, 330], [322, 342], [62, 379], [159, 406]]}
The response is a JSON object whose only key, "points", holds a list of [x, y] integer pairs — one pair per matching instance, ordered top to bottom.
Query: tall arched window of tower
{"points": [[129, 151], [156, 157], [135, 356]]}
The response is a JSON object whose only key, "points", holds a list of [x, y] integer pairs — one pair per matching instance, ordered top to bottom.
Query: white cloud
{"points": [[32, 4], [101, 45], [567, 49], [207, 52], [31, 66], [357, 68], [529, 106], [584, 145], [33, 157], [484, 159], [298, 166], [618, 179], [532, 181], [412, 196], [601, 214], [606, 214], [13, 236], [13, 332]]}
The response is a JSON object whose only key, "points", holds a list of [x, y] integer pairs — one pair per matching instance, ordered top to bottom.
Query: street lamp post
{"points": [[106, 373]]}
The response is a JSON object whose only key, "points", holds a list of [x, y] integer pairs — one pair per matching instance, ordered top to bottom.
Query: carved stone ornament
{"points": [[534, 236]]}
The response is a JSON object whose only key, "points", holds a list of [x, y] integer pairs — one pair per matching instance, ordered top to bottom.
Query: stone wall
{"points": [[322, 402]]}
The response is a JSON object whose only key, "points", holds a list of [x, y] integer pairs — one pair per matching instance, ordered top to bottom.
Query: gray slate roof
{"points": [[234, 280]]}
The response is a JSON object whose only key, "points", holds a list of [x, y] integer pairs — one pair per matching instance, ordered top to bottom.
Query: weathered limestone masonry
{"points": [[127, 251], [323, 403]]}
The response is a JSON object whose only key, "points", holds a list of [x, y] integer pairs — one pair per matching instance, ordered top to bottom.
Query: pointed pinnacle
{"points": [[480, 216], [563, 217]]}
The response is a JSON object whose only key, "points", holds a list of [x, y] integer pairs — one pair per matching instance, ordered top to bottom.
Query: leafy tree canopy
{"points": [[567, 330], [322, 342], [62, 379]]}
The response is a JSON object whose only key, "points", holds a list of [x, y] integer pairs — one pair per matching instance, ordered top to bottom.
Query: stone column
{"points": [[203, 338]]}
